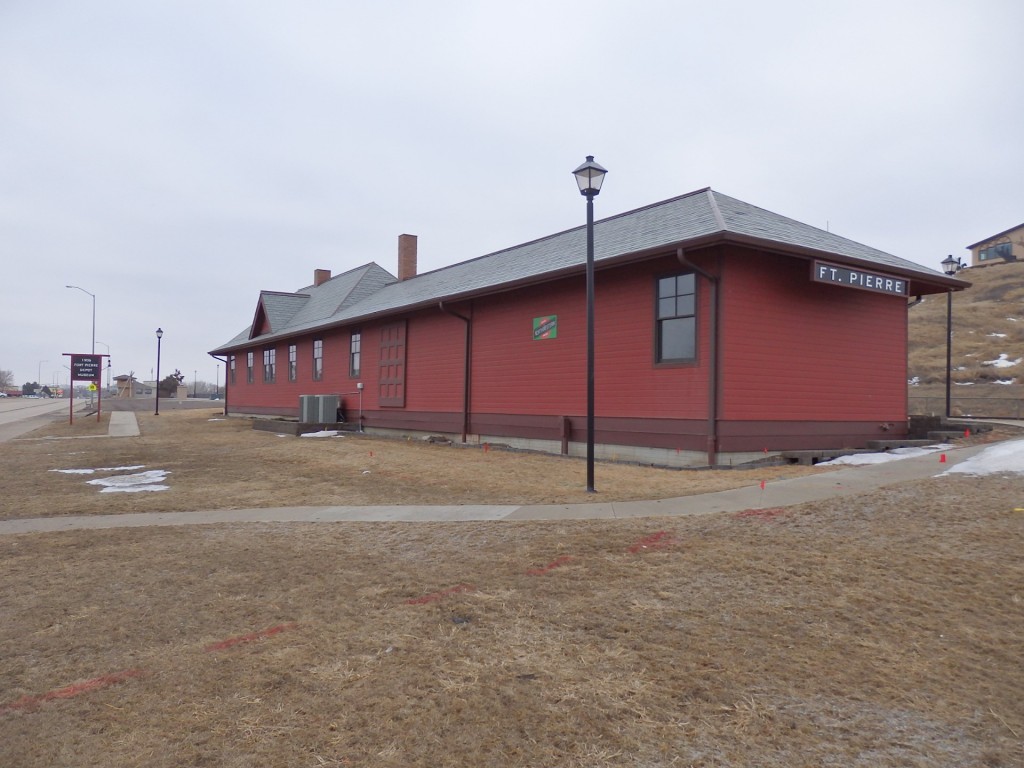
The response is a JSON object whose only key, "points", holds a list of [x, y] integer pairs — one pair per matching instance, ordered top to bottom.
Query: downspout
{"points": [[225, 361], [467, 364], [712, 429]]}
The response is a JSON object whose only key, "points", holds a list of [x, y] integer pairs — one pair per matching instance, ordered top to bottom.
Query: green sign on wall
{"points": [[545, 327]]}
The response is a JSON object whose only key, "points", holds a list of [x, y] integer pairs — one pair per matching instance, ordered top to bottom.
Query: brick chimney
{"points": [[406, 256], [321, 276]]}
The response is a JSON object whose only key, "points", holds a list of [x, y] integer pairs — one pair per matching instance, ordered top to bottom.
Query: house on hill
{"points": [[1007, 245], [723, 331]]}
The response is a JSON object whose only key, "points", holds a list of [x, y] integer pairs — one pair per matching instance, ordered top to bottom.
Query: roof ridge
{"points": [[563, 232]]}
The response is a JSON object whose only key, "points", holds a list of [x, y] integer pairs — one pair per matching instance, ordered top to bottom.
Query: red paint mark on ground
{"points": [[942, 459], [761, 514], [659, 540], [559, 561], [435, 596], [233, 641], [104, 681]]}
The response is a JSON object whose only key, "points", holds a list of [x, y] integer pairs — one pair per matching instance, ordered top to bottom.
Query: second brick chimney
{"points": [[406, 256], [321, 276]]}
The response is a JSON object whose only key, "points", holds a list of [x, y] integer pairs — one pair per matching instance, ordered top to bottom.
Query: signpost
{"points": [[86, 368]]}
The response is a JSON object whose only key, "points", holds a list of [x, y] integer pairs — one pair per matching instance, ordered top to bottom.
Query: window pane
{"points": [[685, 283], [666, 287], [684, 305], [666, 308], [677, 339]]}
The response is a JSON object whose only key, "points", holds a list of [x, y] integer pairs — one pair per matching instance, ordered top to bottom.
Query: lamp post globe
{"points": [[589, 178], [159, 335]]}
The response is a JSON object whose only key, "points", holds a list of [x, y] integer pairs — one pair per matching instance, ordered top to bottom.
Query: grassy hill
{"points": [[988, 337]]}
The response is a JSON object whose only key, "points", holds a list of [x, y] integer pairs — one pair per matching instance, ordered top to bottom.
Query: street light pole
{"points": [[589, 177], [950, 266], [93, 314], [159, 335], [108, 362], [39, 371]]}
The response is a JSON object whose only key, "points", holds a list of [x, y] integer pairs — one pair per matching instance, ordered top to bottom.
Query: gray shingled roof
{"points": [[695, 218], [280, 308]]}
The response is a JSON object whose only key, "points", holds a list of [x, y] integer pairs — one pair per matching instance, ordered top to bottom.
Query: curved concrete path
{"points": [[837, 483]]}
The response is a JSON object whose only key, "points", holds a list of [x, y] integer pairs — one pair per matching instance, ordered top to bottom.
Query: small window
{"points": [[676, 318], [354, 354], [269, 358], [318, 359], [293, 362], [248, 367], [231, 369]]}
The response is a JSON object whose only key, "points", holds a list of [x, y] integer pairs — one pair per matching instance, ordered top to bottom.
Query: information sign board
{"points": [[86, 367]]}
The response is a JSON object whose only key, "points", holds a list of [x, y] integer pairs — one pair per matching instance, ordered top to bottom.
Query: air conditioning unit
{"points": [[327, 409], [308, 412]]}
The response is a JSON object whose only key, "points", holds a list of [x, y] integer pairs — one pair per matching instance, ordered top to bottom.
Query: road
{"points": [[19, 415]]}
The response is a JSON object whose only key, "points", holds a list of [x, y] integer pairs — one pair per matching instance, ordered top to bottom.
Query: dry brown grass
{"points": [[992, 305], [225, 464], [875, 631], [879, 631]]}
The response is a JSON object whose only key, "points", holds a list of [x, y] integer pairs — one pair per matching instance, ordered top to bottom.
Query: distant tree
{"points": [[6, 379], [169, 386], [29, 388], [46, 391]]}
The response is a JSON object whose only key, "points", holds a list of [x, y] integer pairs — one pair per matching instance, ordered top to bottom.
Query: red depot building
{"points": [[722, 331]]}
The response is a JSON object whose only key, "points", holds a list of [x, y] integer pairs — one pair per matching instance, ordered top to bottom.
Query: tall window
{"points": [[676, 317], [354, 354], [269, 357], [318, 359], [293, 362], [248, 368], [231, 369]]}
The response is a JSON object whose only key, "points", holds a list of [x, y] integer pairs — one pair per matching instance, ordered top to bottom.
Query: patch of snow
{"points": [[1012, 319], [996, 335], [1003, 361], [914, 381], [1005, 381], [963, 383], [216, 419], [321, 433], [881, 458], [996, 459], [141, 481], [136, 489]]}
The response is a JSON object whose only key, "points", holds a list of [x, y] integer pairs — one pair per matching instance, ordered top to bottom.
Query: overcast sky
{"points": [[175, 157]]}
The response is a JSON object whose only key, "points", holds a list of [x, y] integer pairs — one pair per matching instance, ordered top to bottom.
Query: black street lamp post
{"points": [[589, 177], [950, 266], [159, 335]]}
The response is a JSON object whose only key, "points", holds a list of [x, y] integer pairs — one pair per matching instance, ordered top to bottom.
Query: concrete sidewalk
{"points": [[123, 424], [838, 483]]}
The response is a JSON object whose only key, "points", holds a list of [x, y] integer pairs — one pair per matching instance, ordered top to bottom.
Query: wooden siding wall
{"points": [[794, 350], [803, 364], [514, 374]]}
